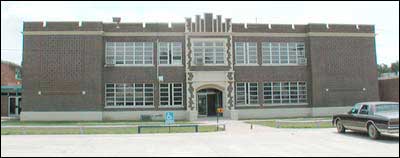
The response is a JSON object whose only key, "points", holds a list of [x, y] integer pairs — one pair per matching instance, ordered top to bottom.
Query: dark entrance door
{"points": [[208, 102], [211, 105], [13, 106], [19, 106]]}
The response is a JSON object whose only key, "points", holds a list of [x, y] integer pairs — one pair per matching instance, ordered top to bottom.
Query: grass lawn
{"points": [[83, 123], [272, 123], [96, 130], [111, 130]]}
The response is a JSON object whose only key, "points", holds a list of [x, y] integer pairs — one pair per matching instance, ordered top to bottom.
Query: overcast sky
{"points": [[384, 15]]}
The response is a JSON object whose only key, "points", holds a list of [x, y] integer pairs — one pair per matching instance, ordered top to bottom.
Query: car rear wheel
{"points": [[339, 126], [373, 132]]}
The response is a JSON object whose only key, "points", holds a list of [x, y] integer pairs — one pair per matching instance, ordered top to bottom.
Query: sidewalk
{"points": [[238, 140]]}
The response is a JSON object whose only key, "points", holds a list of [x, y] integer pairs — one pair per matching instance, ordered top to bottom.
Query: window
{"points": [[208, 52], [246, 52], [129, 53], [170, 53], [283, 53], [285, 92], [246, 93], [171, 94], [129, 95], [387, 108], [354, 110], [364, 110]]}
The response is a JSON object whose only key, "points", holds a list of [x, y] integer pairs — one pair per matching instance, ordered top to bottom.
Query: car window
{"points": [[387, 108], [355, 109], [364, 110]]}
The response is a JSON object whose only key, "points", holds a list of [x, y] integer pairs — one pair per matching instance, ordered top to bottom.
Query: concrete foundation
{"points": [[182, 115]]}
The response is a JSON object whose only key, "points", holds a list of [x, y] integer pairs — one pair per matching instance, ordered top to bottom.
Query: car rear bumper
{"points": [[390, 130]]}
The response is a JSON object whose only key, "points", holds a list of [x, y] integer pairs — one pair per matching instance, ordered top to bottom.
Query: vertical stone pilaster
{"points": [[188, 25], [189, 76]]}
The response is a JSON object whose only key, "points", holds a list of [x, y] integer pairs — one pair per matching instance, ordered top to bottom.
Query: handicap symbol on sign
{"points": [[169, 118]]}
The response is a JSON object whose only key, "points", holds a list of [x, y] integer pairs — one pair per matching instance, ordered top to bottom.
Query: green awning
{"points": [[11, 88]]}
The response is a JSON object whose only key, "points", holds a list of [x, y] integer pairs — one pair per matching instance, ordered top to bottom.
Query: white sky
{"points": [[384, 15]]}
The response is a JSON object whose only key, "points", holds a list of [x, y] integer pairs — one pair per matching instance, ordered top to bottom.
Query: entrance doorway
{"points": [[208, 100], [14, 106]]}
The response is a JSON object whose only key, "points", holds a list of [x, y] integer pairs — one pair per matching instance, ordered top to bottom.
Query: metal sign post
{"points": [[219, 111], [217, 117]]}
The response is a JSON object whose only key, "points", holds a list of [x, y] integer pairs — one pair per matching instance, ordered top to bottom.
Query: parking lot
{"points": [[238, 140]]}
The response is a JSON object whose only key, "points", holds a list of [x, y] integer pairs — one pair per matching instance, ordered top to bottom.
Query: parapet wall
{"points": [[206, 24], [63, 26], [106, 27], [288, 28]]}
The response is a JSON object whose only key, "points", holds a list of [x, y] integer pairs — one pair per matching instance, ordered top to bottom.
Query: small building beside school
{"points": [[10, 89]]}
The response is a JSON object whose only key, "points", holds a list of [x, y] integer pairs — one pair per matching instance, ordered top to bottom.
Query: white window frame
{"points": [[203, 47], [170, 53], [144, 54], [246, 54], [300, 60], [144, 92], [247, 93], [171, 95], [237, 95], [249, 102], [298, 102]]}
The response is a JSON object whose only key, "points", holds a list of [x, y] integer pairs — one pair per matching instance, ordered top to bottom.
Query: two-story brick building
{"points": [[120, 71]]}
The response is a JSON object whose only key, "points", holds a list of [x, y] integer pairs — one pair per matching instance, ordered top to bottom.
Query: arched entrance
{"points": [[208, 100]]}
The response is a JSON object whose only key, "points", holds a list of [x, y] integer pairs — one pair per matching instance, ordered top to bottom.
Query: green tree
{"points": [[395, 67], [383, 68]]}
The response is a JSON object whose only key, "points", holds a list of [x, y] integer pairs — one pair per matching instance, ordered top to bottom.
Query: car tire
{"points": [[339, 126], [373, 132]]}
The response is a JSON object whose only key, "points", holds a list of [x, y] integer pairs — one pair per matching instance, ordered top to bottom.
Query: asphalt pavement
{"points": [[237, 140]]}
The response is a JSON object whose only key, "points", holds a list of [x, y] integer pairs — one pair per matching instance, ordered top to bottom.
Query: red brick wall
{"points": [[8, 75], [389, 89], [4, 105]]}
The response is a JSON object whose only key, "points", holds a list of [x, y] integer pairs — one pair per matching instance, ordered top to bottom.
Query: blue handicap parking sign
{"points": [[169, 118]]}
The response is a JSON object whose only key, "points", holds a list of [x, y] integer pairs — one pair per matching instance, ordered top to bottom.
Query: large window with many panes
{"points": [[208, 52], [129, 53], [170, 53], [245, 53], [283, 53], [293, 92], [246, 93], [171, 94], [129, 95]]}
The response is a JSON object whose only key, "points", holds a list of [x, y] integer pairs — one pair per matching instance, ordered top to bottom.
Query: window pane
{"points": [[163, 52], [239, 52], [148, 53], [176, 53], [252, 53], [266, 53], [275, 53], [284, 53], [292, 53], [301, 53], [177, 90], [240, 93], [253, 95], [139, 98]]}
